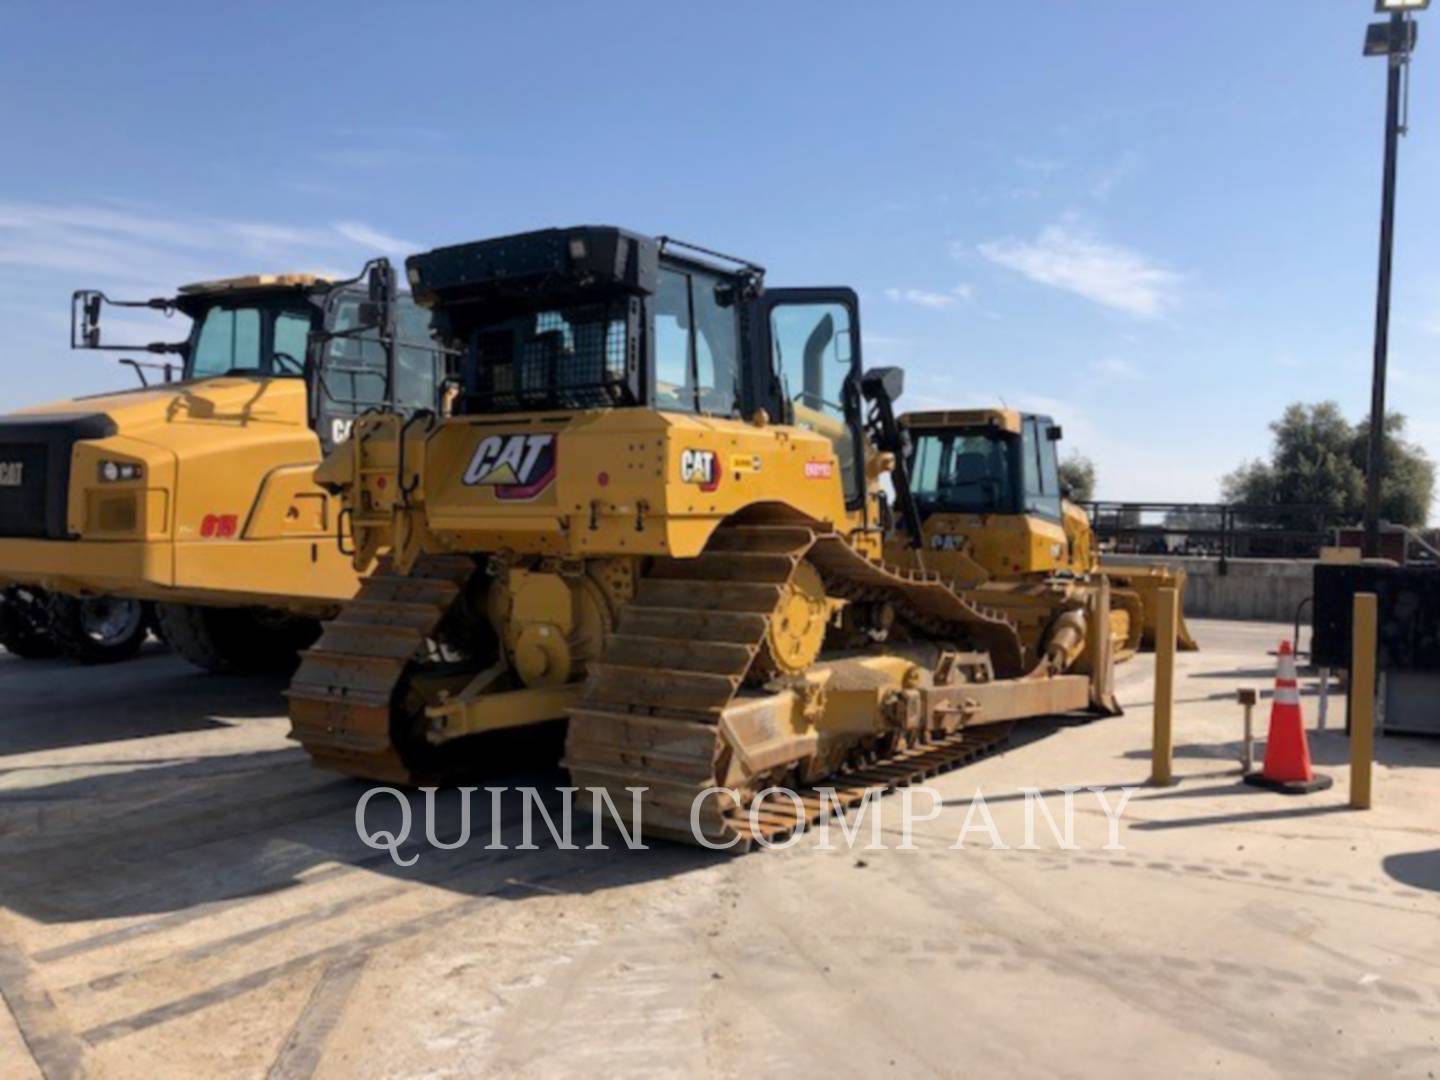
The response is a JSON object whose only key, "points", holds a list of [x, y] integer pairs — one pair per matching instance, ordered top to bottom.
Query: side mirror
{"points": [[380, 281], [378, 308], [85, 319], [889, 381], [1054, 432]]}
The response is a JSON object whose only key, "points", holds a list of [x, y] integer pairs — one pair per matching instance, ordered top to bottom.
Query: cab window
{"points": [[292, 335], [247, 340], [228, 341], [697, 343], [811, 344], [812, 355], [355, 365], [967, 472], [1042, 488]]}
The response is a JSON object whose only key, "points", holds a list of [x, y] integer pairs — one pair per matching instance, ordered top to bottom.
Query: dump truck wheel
{"points": [[23, 626], [99, 629], [242, 641]]}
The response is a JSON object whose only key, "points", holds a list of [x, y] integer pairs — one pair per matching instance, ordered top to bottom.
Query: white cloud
{"points": [[382, 242], [146, 249], [1069, 257], [921, 298], [936, 301], [1116, 367]]}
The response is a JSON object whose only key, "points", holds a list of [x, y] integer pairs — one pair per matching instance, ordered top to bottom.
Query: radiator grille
{"points": [[22, 507]]}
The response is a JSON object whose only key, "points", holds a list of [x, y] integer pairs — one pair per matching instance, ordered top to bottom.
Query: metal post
{"points": [[1375, 456], [1248, 696], [1362, 700], [1162, 754]]}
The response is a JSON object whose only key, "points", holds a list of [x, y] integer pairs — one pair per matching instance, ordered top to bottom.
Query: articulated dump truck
{"points": [[193, 497], [991, 511], [655, 512]]}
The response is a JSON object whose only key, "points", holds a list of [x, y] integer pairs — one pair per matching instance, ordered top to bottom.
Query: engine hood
{"points": [[173, 416]]}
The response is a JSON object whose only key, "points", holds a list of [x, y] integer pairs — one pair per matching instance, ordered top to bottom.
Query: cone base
{"points": [[1290, 787]]}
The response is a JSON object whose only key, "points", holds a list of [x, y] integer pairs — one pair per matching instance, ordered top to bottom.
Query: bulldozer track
{"points": [[344, 697], [652, 712], [781, 818]]}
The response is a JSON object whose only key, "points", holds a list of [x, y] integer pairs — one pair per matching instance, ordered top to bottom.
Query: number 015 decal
{"points": [[516, 466], [700, 467]]}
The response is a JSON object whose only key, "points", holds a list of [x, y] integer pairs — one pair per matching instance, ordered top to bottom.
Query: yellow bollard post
{"points": [[1362, 699], [1163, 752]]}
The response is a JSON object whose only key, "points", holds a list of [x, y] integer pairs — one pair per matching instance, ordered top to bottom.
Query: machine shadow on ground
{"points": [[55, 704], [167, 837], [179, 838], [1418, 869]]}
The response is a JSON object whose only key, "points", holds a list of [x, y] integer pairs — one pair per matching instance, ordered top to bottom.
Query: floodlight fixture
{"points": [[1389, 7], [1394, 38]]}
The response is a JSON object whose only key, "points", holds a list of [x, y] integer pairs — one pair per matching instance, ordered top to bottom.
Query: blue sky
{"points": [[1156, 221]]}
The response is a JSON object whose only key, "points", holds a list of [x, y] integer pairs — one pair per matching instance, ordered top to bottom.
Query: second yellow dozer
{"points": [[991, 510], [655, 512]]}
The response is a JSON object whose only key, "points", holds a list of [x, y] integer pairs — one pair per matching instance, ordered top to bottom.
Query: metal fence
{"points": [[1223, 530]]}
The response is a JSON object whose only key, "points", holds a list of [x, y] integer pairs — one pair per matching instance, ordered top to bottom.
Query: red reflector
{"points": [[603, 479]]}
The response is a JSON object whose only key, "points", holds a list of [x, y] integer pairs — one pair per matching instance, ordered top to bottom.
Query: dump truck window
{"points": [[292, 332], [229, 340]]}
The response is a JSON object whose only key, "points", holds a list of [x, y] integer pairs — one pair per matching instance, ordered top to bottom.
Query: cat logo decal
{"points": [[516, 466]]}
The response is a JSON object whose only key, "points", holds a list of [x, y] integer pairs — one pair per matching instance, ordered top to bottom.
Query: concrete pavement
{"points": [[181, 894]]}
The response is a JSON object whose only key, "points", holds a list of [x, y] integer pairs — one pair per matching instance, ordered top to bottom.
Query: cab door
{"points": [[807, 370], [353, 375]]}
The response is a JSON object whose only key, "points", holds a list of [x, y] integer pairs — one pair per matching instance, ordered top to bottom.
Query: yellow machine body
{"points": [[627, 481], [224, 510], [1032, 531]]}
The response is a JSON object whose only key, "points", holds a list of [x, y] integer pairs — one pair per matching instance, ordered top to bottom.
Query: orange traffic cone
{"points": [[1287, 753]]}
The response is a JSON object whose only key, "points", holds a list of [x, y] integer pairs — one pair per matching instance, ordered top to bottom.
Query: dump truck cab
{"points": [[196, 487]]}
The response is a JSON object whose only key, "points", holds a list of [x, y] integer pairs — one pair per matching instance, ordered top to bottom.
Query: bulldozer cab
{"points": [[601, 318], [284, 326], [984, 462]]}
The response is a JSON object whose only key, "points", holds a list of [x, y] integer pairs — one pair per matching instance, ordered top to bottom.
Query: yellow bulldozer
{"points": [[189, 499], [992, 510], [655, 512]]}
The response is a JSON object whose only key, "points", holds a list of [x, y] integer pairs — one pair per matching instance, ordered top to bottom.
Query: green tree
{"points": [[1318, 459], [1077, 473]]}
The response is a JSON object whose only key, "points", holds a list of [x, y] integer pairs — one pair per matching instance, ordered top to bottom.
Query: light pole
{"points": [[1393, 39]]}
